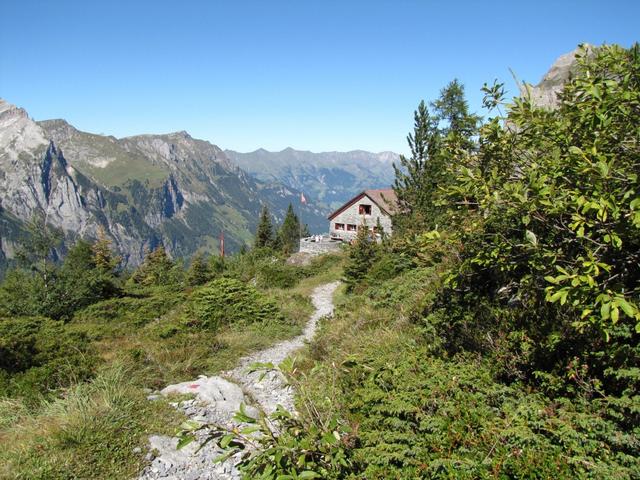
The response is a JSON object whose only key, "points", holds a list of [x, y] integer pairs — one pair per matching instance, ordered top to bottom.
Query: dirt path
{"points": [[217, 398]]}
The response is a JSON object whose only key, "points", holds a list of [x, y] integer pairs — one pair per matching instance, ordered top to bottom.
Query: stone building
{"points": [[366, 209]]}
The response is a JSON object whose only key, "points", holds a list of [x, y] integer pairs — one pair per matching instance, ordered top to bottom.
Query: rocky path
{"points": [[217, 398]]}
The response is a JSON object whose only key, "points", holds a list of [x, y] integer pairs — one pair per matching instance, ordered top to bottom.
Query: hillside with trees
{"points": [[495, 335]]}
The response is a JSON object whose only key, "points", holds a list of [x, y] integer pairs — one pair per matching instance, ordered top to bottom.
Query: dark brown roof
{"points": [[385, 198]]}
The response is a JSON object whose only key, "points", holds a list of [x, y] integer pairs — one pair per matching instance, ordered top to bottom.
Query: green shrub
{"points": [[552, 247], [389, 265], [277, 274], [226, 301], [132, 310], [41, 355], [423, 417]]}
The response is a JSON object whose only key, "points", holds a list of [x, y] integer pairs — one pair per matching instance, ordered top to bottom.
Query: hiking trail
{"points": [[218, 397]]}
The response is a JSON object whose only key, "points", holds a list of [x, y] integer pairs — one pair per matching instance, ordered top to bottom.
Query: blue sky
{"points": [[315, 75]]}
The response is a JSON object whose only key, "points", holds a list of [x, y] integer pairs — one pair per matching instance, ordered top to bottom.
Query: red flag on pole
{"points": [[303, 198]]}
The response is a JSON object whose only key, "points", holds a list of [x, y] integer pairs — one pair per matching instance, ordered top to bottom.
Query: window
{"points": [[364, 209], [339, 226], [351, 227]]}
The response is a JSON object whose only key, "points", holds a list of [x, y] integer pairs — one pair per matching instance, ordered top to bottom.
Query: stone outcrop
{"points": [[545, 93]]}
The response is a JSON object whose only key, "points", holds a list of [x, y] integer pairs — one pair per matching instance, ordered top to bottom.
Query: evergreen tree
{"points": [[456, 123], [441, 141], [417, 176], [380, 229], [264, 232], [289, 233], [38, 253], [103, 256], [361, 256], [216, 265], [157, 269], [199, 272], [81, 282]]}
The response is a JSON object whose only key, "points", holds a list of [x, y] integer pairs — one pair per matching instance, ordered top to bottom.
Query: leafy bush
{"points": [[548, 272], [277, 274], [226, 301], [132, 310], [40, 355], [422, 417]]}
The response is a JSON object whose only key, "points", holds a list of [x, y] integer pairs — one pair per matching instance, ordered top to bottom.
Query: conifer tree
{"points": [[456, 123], [441, 140], [416, 176], [380, 229], [264, 232], [289, 233], [103, 256], [361, 256], [157, 269], [199, 272]]}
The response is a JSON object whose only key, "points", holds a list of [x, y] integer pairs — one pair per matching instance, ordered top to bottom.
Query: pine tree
{"points": [[451, 110], [441, 140], [416, 176], [264, 232], [289, 233], [103, 256], [361, 256], [157, 269], [199, 272]]}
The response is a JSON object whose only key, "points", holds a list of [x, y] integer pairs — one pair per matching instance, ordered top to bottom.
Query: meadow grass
{"points": [[99, 429]]}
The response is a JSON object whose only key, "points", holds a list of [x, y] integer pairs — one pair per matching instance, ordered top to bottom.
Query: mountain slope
{"points": [[331, 178], [144, 190]]}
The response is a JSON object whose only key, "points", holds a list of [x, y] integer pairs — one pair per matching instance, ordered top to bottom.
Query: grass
{"points": [[418, 413], [93, 429], [90, 432]]}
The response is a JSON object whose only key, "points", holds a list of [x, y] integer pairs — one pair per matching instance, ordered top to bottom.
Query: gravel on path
{"points": [[217, 398]]}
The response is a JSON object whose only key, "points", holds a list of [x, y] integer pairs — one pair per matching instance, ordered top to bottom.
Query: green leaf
{"points": [[575, 150], [531, 237], [556, 296], [626, 307], [615, 314], [249, 430], [329, 438], [226, 440], [184, 441], [225, 455], [309, 474]]}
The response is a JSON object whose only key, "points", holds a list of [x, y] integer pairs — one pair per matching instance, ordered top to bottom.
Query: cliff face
{"points": [[545, 93], [144, 191]]}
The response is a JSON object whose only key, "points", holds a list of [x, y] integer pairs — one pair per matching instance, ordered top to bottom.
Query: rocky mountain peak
{"points": [[545, 93], [8, 110], [58, 128], [18, 133]]}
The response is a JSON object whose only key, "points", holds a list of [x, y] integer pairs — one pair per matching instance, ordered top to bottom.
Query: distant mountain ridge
{"points": [[328, 177], [145, 190]]}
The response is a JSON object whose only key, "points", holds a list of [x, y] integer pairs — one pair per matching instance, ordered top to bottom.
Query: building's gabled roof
{"points": [[385, 198]]}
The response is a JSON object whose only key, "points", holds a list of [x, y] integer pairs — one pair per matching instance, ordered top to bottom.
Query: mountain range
{"points": [[331, 178], [170, 189]]}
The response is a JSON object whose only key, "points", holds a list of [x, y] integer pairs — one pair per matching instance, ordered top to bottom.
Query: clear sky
{"points": [[314, 75]]}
